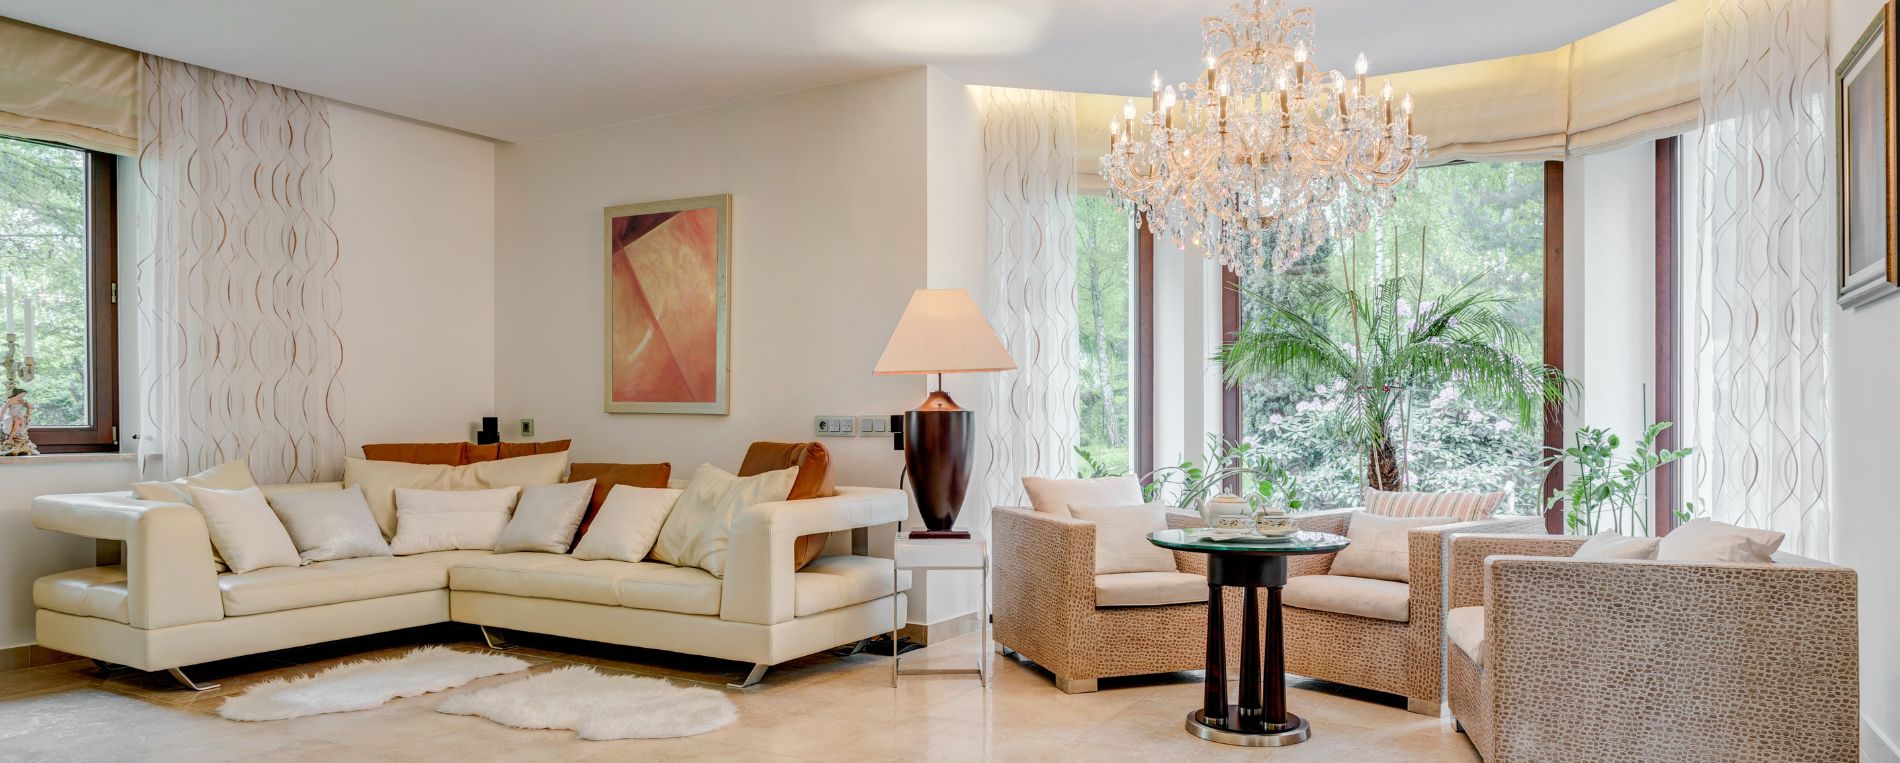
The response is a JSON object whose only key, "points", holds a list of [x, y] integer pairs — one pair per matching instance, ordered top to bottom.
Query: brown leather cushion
{"points": [[444, 453], [458, 453], [606, 476], [813, 481]]}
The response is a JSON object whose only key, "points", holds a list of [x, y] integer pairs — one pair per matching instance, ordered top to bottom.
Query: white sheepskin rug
{"points": [[366, 684], [598, 706]]}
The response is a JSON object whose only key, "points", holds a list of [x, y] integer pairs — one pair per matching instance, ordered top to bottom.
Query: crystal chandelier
{"points": [[1264, 156]]}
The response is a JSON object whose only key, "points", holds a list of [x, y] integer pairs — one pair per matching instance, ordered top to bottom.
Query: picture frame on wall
{"points": [[1864, 124], [668, 297]]}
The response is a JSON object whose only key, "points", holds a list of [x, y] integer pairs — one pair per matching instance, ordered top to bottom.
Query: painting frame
{"points": [[1870, 280], [722, 365]]}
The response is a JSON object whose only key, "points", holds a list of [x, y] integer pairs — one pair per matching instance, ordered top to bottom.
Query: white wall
{"points": [[415, 217], [828, 242], [1864, 419]]}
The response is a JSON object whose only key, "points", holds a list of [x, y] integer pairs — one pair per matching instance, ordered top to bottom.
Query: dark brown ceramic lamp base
{"points": [[937, 445]]}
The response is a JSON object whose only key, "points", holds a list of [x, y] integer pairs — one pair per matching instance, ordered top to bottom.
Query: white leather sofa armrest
{"points": [[170, 579], [759, 583]]}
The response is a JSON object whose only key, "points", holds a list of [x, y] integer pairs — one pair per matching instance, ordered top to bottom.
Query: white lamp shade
{"points": [[942, 332]]}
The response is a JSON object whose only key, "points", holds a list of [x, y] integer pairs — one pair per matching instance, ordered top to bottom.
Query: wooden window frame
{"points": [[102, 317], [1553, 325], [1144, 349], [1668, 484]]}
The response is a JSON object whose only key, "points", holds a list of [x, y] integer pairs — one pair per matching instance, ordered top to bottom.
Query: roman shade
{"points": [[57, 87]]}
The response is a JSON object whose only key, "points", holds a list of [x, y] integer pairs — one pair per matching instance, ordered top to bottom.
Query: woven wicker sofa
{"points": [[1554, 658]]}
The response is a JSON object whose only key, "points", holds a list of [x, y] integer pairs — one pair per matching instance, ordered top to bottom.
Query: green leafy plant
{"points": [[1376, 348], [1093, 467], [1190, 484], [1609, 486]]}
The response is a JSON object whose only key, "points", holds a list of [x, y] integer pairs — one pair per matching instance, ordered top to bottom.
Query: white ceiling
{"points": [[520, 70]]}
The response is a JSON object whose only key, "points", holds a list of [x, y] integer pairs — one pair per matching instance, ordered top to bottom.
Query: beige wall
{"points": [[828, 241], [1865, 419]]}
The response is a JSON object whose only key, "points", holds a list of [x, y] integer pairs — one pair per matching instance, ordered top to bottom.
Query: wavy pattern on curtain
{"points": [[1760, 285], [1029, 287], [238, 289]]}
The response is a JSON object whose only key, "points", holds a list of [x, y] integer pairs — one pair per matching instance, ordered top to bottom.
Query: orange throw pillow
{"points": [[444, 453], [459, 453], [606, 476], [813, 481]]}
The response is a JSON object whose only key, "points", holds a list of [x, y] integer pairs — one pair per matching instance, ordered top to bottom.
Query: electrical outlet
{"points": [[836, 426], [527, 427]]}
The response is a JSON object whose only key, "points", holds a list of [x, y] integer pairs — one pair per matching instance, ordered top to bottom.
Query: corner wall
{"points": [[1864, 417]]}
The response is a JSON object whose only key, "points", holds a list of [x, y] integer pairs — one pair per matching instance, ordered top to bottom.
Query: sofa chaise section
{"points": [[166, 606]]}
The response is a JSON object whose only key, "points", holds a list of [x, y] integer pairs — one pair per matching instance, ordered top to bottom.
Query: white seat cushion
{"points": [[831, 582], [639, 585], [274, 589], [1149, 589], [92, 592], [1347, 595], [1465, 627]]}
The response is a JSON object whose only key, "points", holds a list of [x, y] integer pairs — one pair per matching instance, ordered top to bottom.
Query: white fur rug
{"points": [[366, 684], [598, 706]]}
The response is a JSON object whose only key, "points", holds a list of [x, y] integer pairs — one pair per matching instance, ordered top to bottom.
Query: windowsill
{"points": [[67, 458]]}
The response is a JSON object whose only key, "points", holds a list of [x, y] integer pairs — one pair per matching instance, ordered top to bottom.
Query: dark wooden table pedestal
{"points": [[1259, 717]]}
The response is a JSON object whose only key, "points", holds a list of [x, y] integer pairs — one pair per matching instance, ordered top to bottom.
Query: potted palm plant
{"points": [[1379, 346]]}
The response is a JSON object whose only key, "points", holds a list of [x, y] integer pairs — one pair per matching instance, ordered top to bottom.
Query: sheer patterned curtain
{"points": [[1759, 286], [1029, 287], [238, 293]]}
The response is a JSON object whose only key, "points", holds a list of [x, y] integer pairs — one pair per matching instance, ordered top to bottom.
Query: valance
{"points": [[58, 87]]}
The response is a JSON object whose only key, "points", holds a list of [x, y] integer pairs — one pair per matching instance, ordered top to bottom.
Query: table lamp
{"points": [[942, 332]]}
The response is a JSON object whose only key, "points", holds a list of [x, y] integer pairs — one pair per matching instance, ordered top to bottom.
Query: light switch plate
{"points": [[872, 425], [835, 426], [527, 427]]}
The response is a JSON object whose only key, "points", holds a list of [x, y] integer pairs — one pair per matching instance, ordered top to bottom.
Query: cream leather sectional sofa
{"points": [[166, 607]]}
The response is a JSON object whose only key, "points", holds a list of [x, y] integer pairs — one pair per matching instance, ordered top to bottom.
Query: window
{"points": [[1479, 220], [57, 251], [1104, 299]]}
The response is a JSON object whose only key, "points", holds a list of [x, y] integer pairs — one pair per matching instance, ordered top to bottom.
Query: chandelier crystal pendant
{"points": [[1263, 157]]}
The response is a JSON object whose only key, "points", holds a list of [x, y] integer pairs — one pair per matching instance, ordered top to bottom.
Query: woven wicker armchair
{"points": [[1045, 605], [1403, 657], [1587, 659]]}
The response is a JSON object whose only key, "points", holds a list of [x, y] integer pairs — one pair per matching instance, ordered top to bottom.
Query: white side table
{"points": [[926, 554]]}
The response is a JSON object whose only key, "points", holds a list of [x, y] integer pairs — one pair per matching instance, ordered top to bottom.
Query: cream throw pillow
{"points": [[230, 475], [380, 479], [1055, 496], [1462, 507], [546, 517], [446, 520], [628, 523], [329, 524], [244, 530], [696, 531], [1121, 538], [1706, 540], [1613, 545], [1381, 546]]}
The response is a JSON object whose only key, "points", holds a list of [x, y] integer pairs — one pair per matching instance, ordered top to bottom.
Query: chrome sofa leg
{"points": [[494, 639], [858, 648], [1004, 651], [180, 677], [752, 678], [1423, 706]]}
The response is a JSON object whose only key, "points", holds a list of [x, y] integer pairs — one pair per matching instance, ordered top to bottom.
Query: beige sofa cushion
{"points": [[379, 479], [1055, 496], [1121, 537], [1706, 540], [1614, 545], [1381, 546], [831, 582], [639, 585], [275, 589], [1148, 589], [91, 592], [1346, 595], [1465, 627]]}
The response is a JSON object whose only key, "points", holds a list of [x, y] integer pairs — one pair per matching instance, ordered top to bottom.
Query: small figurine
{"points": [[15, 417]]}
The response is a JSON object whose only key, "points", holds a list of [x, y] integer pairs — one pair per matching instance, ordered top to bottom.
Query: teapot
{"points": [[1227, 512]]}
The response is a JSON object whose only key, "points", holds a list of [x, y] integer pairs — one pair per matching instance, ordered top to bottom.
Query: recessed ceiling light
{"points": [[948, 27]]}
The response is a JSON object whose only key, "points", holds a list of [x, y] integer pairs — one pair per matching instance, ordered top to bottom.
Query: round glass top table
{"points": [[1259, 717]]}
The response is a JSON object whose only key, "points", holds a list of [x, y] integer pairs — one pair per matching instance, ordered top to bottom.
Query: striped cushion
{"points": [[1462, 507]]}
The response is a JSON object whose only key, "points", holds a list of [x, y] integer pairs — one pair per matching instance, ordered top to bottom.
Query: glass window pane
{"points": [[1480, 221], [43, 250], [1104, 298]]}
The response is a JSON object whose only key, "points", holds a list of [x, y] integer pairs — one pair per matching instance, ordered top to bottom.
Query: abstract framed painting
{"points": [[1869, 261], [668, 306]]}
